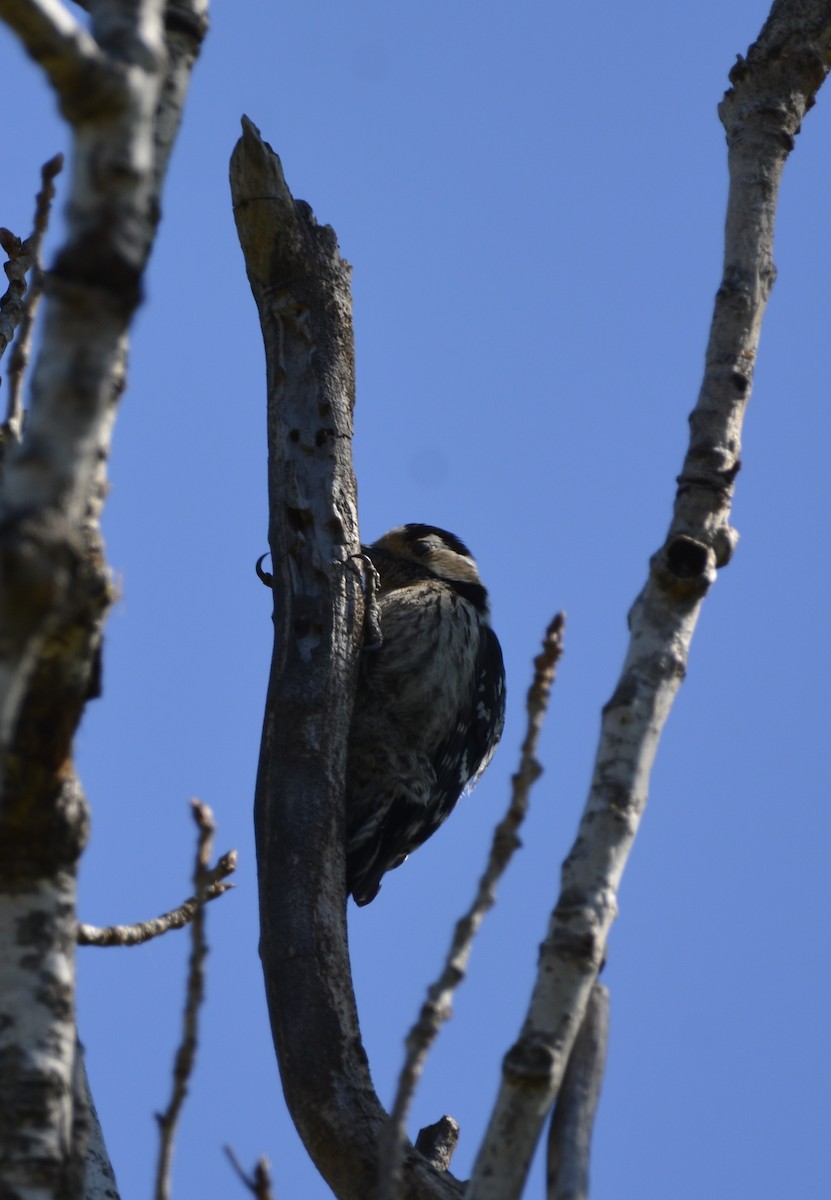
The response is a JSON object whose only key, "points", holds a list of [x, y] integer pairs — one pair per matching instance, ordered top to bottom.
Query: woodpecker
{"points": [[430, 704]]}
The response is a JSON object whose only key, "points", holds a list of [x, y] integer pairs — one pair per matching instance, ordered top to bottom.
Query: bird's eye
{"points": [[421, 548]]}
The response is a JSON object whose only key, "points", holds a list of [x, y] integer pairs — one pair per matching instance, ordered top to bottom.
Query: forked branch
{"points": [[85, 79], [121, 84], [762, 113], [301, 287], [177, 918], [194, 995]]}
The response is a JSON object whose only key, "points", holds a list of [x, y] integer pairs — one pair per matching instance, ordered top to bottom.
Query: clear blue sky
{"points": [[532, 198]]}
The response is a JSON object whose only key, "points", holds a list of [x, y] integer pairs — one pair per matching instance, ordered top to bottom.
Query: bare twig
{"points": [[32, 247], [16, 268], [301, 285], [177, 918], [438, 1006], [186, 1054], [570, 1131], [258, 1184]]}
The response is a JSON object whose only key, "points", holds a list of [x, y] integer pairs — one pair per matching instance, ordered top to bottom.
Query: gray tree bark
{"points": [[121, 85], [762, 112], [301, 286]]}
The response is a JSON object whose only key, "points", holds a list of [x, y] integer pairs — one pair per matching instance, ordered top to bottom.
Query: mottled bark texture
{"points": [[120, 85], [771, 91], [301, 287]]}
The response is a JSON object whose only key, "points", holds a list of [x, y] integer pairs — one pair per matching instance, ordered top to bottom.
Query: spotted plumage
{"points": [[430, 704]]}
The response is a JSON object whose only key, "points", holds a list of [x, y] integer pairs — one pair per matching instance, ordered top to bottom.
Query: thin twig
{"points": [[33, 245], [16, 268], [177, 918], [437, 1008], [186, 1054], [572, 1123], [258, 1184]]}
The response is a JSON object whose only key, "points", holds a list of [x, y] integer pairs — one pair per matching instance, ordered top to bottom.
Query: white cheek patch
{"points": [[450, 565]]}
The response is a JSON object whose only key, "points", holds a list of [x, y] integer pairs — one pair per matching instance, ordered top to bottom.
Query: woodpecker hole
{"points": [[299, 519], [687, 558]]}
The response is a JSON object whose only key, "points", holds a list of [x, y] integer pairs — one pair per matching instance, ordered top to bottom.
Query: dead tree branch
{"points": [[86, 80], [762, 112], [301, 286], [177, 918], [195, 993], [437, 1142]]}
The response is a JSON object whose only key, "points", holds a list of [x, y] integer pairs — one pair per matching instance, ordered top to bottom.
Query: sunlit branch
{"points": [[177, 918], [195, 992]]}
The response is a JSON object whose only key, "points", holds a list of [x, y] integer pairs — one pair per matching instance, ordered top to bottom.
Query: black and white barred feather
{"points": [[430, 705]]}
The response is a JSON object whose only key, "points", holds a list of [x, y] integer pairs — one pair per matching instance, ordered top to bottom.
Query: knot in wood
{"points": [[724, 544], [530, 1061], [438, 1141]]}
